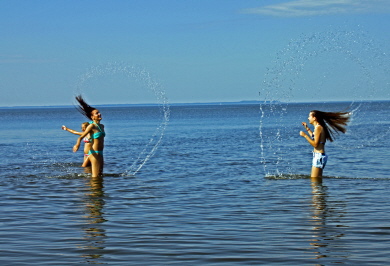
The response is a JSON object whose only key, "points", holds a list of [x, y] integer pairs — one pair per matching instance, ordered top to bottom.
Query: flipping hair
{"points": [[83, 107], [332, 122]]}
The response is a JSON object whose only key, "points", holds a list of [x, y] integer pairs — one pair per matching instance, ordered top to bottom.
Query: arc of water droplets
{"points": [[292, 60], [141, 75]]}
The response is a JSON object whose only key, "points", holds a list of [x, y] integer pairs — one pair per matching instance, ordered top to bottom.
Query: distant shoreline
{"points": [[184, 104]]}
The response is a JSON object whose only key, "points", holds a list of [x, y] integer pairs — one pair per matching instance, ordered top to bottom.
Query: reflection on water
{"points": [[327, 229], [94, 232]]}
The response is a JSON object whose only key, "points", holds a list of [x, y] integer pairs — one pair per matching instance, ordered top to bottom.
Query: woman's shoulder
{"points": [[318, 127]]}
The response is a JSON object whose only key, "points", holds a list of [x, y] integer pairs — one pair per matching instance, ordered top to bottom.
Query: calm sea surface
{"points": [[226, 185]]}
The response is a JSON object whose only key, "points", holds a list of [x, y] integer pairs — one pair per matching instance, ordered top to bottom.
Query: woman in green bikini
{"points": [[96, 131]]}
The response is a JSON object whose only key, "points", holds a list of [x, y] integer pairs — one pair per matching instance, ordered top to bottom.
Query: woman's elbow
{"points": [[316, 145]]}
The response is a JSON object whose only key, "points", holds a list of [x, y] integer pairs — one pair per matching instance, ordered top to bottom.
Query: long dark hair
{"points": [[83, 107], [332, 122]]}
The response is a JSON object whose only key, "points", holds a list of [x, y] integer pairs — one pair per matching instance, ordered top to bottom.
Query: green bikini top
{"points": [[99, 134]]}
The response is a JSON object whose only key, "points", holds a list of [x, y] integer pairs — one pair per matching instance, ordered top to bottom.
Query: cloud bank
{"points": [[304, 8]]}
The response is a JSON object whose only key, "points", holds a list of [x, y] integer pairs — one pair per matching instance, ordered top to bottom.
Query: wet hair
{"points": [[83, 107], [332, 122], [85, 124]]}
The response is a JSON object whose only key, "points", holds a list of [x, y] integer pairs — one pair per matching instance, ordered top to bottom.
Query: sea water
{"points": [[213, 193]]}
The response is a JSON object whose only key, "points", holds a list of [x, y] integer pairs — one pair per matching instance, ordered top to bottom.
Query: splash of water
{"points": [[303, 72], [142, 76]]}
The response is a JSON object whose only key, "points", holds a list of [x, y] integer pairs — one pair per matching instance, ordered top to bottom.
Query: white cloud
{"points": [[301, 8]]}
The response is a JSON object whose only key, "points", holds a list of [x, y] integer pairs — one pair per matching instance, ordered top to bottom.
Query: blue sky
{"points": [[198, 50]]}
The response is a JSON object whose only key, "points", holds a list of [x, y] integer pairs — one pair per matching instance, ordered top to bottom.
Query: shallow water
{"points": [[204, 198]]}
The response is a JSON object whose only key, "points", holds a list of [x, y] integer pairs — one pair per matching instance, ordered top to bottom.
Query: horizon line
{"points": [[192, 103]]}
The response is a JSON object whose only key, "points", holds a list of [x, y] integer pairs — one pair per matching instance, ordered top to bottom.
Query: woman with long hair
{"points": [[326, 125], [97, 134]]}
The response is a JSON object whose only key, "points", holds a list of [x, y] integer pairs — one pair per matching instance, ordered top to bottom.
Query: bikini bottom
{"points": [[319, 160]]}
